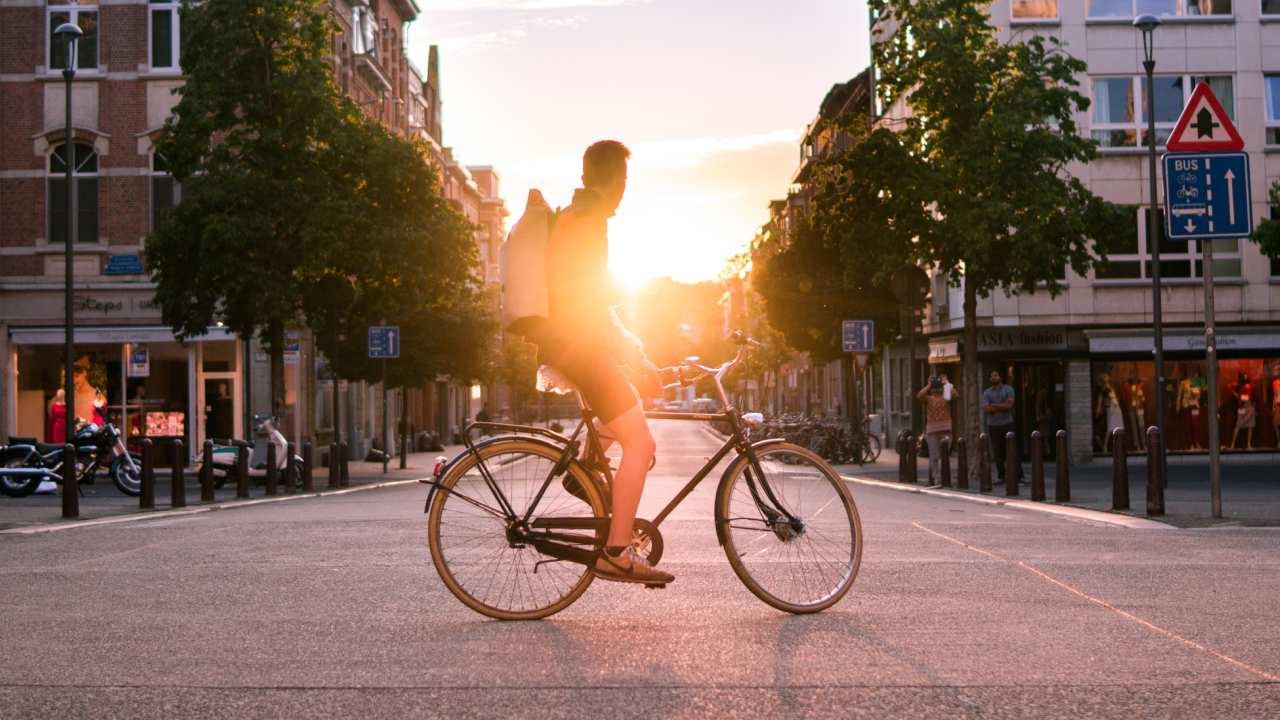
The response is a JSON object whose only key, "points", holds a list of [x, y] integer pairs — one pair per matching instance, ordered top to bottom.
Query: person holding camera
{"points": [[937, 425]]}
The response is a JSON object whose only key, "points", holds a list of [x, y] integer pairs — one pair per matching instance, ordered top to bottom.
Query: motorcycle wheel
{"points": [[128, 481], [17, 487]]}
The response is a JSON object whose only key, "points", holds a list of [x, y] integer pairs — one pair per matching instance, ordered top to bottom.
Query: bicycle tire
{"points": [[871, 449], [733, 496], [501, 595]]}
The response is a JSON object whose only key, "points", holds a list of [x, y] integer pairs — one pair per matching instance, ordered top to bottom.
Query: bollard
{"points": [[900, 446], [308, 454], [984, 463], [962, 464], [333, 465], [1012, 465], [1037, 466], [291, 469], [242, 470], [273, 472], [1119, 472], [1155, 472], [206, 473], [344, 478], [945, 478], [177, 479], [1062, 482], [70, 483], [147, 497]]}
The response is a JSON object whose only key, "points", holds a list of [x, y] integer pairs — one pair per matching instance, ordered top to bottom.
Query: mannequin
{"points": [[1189, 392], [1275, 402], [1108, 408], [1136, 408], [1246, 414], [56, 429]]}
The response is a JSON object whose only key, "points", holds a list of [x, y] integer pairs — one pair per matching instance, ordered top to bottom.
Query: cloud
{"points": [[460, 5], [470, 43]]}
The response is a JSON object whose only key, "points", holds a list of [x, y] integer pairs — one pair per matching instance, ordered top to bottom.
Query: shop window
{"points": [[1167, 8], [1035, 9], [85, 15], [165, 35], [1272, 93], [1120, 108], [86, 179], [165, 191], [1275, 262]]}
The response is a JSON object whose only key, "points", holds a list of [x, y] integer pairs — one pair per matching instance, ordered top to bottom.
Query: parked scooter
{"points": [[264, 433], [25, 463]]}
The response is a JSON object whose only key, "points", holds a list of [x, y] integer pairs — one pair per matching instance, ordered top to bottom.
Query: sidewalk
{"points": [[1250, 486], [102, 499]]}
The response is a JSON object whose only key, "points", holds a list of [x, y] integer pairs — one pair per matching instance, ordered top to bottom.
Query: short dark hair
{"points": [[603, 162]]}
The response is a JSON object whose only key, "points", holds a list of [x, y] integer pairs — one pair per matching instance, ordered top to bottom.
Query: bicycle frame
{"points": [[769, 505]]}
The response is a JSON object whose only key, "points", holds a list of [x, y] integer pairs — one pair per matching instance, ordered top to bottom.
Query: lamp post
{"points": [[1146, 25], [70, 34]]}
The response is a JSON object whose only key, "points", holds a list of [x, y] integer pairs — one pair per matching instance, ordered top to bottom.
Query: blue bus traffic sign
{"points": [[1208, 195], [859, 336], [384, 342]]}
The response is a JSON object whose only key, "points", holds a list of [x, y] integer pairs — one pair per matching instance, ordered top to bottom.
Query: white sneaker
{"points": [[46, 487]]}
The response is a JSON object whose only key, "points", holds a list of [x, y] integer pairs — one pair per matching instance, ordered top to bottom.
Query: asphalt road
{"points": [[330, 607]]}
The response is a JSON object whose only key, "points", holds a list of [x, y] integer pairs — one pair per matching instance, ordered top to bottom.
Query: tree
{"points": [[250, 140], [974, 182], [1267, 234], [518, 370]]}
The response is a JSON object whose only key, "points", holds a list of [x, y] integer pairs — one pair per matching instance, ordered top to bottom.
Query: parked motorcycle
{"points": [[25, 463]]}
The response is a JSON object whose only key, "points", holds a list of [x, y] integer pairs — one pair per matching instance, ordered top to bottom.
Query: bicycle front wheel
{"points": [[871, 451], [790, 527], [473, 545]]}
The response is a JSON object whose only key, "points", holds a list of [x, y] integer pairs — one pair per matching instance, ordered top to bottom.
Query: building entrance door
{"points": [[1040, 402]]}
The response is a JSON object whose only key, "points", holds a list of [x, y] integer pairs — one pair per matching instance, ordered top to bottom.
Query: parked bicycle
{"points": [[837, 441], [515, 522]]}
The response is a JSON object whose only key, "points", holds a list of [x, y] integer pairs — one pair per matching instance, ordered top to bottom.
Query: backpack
{"points": [[525, 305]]}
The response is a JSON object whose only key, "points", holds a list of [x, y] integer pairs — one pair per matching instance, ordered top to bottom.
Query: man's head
{"points": [[604, 171], [995, 378]]}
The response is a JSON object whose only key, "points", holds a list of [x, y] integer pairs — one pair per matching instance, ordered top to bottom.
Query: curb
{"points": [[1070, 512], [161, 514]]}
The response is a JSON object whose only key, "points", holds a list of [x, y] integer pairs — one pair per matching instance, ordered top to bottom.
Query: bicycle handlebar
{"points": [[744, 343]]}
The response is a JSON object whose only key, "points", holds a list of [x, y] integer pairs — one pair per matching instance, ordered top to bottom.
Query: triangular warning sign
{"points": [[1204, 125]]}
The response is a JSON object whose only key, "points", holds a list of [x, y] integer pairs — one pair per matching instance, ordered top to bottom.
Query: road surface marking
{"points": [[1104, 604]]}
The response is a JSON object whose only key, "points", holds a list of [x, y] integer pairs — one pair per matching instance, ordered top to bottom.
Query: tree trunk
{"points": [[275, 339], [971, 402]]}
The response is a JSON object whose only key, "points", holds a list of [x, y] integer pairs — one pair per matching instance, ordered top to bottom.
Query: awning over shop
{"points": [[109, 335], [1128, 342]]}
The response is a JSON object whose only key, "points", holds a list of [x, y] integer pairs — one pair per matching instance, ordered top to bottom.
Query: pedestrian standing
{"points": [[997, 403], [937, 424]]}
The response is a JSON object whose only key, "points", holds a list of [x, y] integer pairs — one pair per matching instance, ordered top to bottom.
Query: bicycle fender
{"points": [[728, 473]]}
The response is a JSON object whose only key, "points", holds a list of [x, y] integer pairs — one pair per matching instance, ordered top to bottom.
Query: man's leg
{"points": [[632, 433], [934, 439], [997, 449]]}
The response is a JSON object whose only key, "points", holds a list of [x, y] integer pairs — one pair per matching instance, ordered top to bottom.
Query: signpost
{"points": [[1207, 192], [858, 336], [384, 344]]}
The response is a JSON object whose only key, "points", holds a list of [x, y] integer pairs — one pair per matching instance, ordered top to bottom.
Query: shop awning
{"points": [[109, 335], [1117, 342]]}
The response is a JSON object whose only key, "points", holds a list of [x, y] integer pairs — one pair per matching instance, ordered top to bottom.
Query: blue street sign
{"points": [[1208, 195], [130, 264], [859, 335], [384, 342]]}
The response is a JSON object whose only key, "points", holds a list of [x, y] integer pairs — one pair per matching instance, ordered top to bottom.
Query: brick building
{"points": [[123, 92]]}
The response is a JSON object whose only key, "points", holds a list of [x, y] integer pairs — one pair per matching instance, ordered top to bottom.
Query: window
{"points": [[1271, 7], [1133, 8], [1035, 9], [84, 15], [165, 37], [1272, 100], [1117, 121], [86, 178], [165, 191], [1129, 257]]}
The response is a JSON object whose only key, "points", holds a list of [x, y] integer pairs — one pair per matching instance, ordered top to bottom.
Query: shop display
{"points": [[1190, 399], [1275, 403], [1108, 407], [1136, 408], [1246, 414], [172, 424]]}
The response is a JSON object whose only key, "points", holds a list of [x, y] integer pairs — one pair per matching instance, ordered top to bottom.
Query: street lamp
{"points": [[1146, 25], [70, 34]]}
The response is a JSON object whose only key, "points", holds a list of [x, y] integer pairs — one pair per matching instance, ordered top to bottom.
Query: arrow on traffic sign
{"points": [[1231, 193], [1191, 227]]}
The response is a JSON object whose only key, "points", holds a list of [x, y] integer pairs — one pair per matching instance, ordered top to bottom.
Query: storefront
{"points": [[141, 379], [1124, 387]]}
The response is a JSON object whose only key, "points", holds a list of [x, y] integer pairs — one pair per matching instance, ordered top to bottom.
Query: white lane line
{"points": [[169, 514], [1241, 665]]}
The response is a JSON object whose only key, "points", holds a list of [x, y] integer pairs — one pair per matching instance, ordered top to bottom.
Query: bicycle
{"points": [[512, 540]]}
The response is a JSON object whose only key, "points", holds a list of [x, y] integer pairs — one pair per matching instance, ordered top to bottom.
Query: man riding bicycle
{"points": [[587, 345]]}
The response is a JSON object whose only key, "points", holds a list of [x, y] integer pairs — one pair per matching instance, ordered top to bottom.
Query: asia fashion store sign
{"points": [[1007, 340]]}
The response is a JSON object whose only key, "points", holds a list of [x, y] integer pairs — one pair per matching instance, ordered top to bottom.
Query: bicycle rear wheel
{"points": [[870, 449], [792, 532], [480, 561]]}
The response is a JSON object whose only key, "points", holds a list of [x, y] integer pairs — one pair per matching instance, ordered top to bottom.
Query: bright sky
{"points": [[710, 95]]}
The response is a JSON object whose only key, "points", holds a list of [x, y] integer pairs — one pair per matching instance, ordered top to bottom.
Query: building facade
{"points": [[128, 71], [1082, 361]]}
